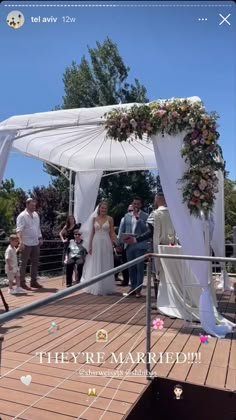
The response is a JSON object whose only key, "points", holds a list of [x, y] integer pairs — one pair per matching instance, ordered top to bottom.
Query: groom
{"points": [[135, 223]]}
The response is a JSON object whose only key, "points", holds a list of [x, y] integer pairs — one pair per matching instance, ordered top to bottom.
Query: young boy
{"points": [[76, 254], [11, 266]]}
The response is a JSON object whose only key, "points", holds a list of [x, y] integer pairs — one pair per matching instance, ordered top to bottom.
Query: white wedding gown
{"points": [[100, 261]]}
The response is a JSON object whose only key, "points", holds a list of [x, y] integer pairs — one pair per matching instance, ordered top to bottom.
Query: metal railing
{"points": [[50, 260], [13, 314]]}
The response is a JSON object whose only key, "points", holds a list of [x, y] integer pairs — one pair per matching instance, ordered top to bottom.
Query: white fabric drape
{"points": [[6, 140], [85, 194], [188, 228], [86, 229], [218, 239]]}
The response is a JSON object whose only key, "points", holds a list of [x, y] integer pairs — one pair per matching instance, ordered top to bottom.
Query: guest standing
{"points": [[67, 233], [30, 240], [76, 254], [11, 266]]}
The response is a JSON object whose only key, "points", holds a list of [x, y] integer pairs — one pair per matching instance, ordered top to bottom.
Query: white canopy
{"points": [[76, 139]]}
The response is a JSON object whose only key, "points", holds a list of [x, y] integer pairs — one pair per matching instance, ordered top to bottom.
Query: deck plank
{"points": [[58, 390]]}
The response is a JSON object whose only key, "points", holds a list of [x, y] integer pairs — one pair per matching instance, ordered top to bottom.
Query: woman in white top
{"points": [[100, 248]]}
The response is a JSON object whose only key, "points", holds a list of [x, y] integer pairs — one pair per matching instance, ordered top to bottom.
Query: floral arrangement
{"points": [[200, 149]]}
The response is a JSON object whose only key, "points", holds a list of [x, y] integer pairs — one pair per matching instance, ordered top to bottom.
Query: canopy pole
{"points": [[71, 191]]}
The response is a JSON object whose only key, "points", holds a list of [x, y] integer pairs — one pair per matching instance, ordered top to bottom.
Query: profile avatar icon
{"points": [[15, 19], [101, 336], [178, 391]]}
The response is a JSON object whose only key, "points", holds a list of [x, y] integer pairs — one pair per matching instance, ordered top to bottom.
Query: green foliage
{"points": [[100, 80], [119, 190], [9, 199], [230, 207]]}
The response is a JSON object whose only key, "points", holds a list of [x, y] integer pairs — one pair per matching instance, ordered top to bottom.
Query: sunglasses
{"points": [[130, 211], [77, 234]]}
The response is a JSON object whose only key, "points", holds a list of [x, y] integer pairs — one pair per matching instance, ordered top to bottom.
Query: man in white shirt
{"points": [[30, 240]]}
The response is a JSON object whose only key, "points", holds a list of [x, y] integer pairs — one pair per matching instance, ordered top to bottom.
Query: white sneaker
{"points": [[220, 285], [229, 288], [19, 290], [12, 291]]}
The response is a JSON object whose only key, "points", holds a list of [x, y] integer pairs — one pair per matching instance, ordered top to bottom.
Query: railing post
{"points": [[234, 240], [148, 318], [1, 341]]}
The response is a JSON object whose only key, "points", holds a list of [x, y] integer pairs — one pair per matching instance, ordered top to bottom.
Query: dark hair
{"points": [[137, 198], [101, 204], [68, 221], [178, 386]]}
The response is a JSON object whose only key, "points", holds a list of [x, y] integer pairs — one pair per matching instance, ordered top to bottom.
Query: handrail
{"points": [[66, 292], [63, 293]]}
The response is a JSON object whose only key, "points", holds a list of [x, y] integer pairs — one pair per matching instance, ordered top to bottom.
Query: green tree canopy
{"points": [[102, 78], [9, 199], [230, 206]]}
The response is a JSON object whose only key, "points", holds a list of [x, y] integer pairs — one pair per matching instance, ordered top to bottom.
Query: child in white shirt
{"points": [[11, 266]]}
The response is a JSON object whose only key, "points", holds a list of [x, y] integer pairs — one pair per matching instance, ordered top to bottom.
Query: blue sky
{"points": [[167, 48]]}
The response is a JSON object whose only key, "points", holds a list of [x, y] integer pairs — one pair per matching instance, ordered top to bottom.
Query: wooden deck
{"points": [[57, 390]]}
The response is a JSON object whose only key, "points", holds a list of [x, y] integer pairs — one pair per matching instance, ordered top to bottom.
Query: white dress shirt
{"points": [[134, 222], [29, 225]]}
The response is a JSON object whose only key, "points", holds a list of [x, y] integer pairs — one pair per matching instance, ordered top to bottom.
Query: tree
{"points": [[102, 79], [119, 189], [9, 199], [230, 206]]}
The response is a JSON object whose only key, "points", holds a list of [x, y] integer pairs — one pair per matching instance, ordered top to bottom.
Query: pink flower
{"points": [[160, 113], [175, 114], [205, 133], [194, 142], [202, 184], [157, 324]]}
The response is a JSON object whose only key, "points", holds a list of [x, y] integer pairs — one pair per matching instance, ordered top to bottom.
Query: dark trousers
{"points": [[29, 253], [69, 272], [125, 272], [136, 272]]}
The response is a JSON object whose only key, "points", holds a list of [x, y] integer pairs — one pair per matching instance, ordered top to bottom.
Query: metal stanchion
{"points": [[148, 318], [1, 341]]}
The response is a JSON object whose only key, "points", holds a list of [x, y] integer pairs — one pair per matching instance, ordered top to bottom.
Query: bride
{"points": [[100, 251]]}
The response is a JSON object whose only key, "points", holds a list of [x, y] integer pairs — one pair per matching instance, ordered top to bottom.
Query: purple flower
{"points": [[195, 134]]}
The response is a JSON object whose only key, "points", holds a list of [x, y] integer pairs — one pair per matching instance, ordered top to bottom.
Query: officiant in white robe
{"points": [[174, 275]]}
